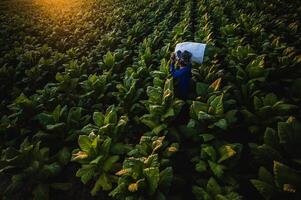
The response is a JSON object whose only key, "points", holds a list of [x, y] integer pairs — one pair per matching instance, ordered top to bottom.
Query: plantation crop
{"points": [[88, 106]]}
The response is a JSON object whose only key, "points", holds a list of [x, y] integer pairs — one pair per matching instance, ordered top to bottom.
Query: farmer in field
{"points": [[183, 74]]}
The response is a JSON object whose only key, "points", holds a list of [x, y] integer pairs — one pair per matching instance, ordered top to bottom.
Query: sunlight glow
{"points": [[59, 8]]}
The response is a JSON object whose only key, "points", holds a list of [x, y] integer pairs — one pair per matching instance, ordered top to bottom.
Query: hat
{"points": [[184, 56]]}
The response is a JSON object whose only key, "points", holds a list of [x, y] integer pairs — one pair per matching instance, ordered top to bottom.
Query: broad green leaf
{"points": [[109, 59], [201, 89], [155, 94], [56, 113], [169, 113], [111, 115], [98, 118], [45, 119], [148, 121], [222, 124], [159, 128], [207, 137], [271, 138], [84, 143], [106, 145], [209, 151], [64, 156], [97, 160], [109, 162], [201, 166], [52, 169], [217, 169], [85, 173], [285, 175], [152, 176], [266, 176], [166, 177], [102, 182], [213, 187], [120, 189], [265, 189], [200, 193]]}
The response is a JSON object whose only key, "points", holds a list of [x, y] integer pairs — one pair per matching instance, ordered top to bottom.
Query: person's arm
{"points": [[175, 73]]}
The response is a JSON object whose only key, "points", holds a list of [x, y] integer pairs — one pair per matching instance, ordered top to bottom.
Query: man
{"points": [[182, 75]]}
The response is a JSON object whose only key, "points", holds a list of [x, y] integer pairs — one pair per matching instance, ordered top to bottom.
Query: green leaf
{"points": [[109, 59], [255, 69], [168, 85], [201, 89], [155, 94], [257, 103], [217, 104], [196, 107], [56, 113], [169, 113], [111, 115], [98, 118], [45, 119], [148, 121], [222, 124], [56, 127], [159, 128], [283, 132], [207, 137], [271, 138], [84, 143], [106, 145], [120, 148], [210, 151], [64, 156], [97, 160], [109, 162], [201, 166], [52, 169], [217, 169], [85, 173], [286, 175], [152, 176], [266, 176], [166, 177], [102, 182], [213, 187], [120, 189], [265, 189], [40, 192], [200, 193]]}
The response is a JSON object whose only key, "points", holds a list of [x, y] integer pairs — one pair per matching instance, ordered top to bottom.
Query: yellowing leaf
{"points": [[216, 84], [172, 149], [80, 155], [121, 172], [133, 187], [289, 188]]}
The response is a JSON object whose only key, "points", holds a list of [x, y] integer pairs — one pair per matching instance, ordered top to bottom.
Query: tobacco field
{"points": [[88, 107]]}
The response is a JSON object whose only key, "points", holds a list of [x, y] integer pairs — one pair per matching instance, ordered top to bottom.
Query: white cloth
{"points": [[196, 49]]}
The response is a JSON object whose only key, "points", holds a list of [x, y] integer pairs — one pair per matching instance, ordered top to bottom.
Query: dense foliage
{"points": [[89, 111]]}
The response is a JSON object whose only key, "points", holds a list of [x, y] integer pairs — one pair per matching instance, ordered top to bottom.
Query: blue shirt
{"points": [[184, 77]]}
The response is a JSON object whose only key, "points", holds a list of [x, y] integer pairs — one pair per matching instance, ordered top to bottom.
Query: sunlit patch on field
{"points": [[59, 8]]}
